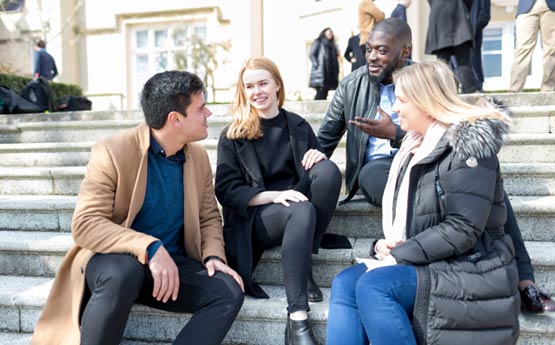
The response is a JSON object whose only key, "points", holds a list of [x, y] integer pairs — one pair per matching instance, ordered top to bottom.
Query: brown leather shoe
{"points": [[548, 304]]}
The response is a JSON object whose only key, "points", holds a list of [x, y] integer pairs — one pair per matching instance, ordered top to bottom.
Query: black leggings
{"points": [[299, 229], [115, 281]]}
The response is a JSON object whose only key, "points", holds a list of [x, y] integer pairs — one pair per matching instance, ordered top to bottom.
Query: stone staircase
{"points": [[42, 162]]}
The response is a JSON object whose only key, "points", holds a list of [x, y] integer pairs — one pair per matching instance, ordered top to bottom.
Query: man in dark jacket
{"points": [[45, 66], [372, 138]]}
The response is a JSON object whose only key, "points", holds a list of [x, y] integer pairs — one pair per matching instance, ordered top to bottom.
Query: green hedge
{"points": [[16, 83]]}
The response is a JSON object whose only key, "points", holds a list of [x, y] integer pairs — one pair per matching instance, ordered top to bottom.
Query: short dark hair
{"points": [[395, 27], [41, 44], [166, 92]]}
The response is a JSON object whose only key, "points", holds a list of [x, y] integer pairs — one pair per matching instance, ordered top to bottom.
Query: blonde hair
{"points": [[432, 87], [246, 124]]}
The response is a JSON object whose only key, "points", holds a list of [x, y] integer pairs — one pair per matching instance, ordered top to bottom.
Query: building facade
{"points": [[110, 48]]}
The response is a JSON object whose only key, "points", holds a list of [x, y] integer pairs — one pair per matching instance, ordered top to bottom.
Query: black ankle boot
{"points": [[313, 293], [299, 333]]}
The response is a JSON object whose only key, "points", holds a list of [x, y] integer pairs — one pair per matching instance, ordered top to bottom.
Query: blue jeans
{"points": [[373, 306]]}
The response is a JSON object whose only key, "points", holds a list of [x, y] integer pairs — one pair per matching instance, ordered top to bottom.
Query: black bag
{"points": [[39, 92], [12, 103], [73, 103]]}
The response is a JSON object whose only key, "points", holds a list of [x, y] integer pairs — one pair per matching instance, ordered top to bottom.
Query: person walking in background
{"points": [[400, 11], [368, 15], [480, 15], [533, 16], [450, 34], [354, 53], [45, 66], [324, 74], [276, 188], [147, 229], [445, 272]]}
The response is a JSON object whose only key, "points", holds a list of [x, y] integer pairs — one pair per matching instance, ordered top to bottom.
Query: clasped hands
{"points": [[383, 128], [383, 248], [166, 274]]}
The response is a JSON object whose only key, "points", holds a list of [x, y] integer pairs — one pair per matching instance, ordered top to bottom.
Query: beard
{"points": [[387, 71]]}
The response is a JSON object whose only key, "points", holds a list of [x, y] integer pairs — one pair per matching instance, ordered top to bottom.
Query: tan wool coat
{"points": [[368, 15], [110, 197]]}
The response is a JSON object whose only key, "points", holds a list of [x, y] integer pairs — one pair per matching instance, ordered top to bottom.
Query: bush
{"points": [[16, 83]]}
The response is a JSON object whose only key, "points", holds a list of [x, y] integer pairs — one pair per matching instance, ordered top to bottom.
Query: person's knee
{"points": [[328, 171], [302, 210], [123, 277], [343, 285], [226, 291]]}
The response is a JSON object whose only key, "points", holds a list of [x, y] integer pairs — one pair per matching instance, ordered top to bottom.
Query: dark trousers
{"points": [[463, 55], [321, 93], [373, 178], [299, 229], [523, 263], [115, 281]]}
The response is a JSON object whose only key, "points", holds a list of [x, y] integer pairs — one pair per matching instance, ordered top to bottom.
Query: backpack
{"points": [[39, 92], [12, 103], [73, 103]]}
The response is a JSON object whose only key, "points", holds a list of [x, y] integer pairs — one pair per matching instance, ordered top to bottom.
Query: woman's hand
{"points": [[312, 157], [289, 195], [383, 247]]}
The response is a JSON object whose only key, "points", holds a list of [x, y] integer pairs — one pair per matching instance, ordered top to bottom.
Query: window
{"points": [[11, 5], [160, 48], [498, 49], [492, 52]]}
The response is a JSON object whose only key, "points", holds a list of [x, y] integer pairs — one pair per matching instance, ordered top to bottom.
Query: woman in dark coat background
{"points": [[450, 34], [324, 73], [276, 188], [445, 272]]}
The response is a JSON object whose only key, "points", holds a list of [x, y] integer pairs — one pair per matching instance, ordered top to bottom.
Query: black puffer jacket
{"points": [[325, 67], [357, 95], [467, 278]]}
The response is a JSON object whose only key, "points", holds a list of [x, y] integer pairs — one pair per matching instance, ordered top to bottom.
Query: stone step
{"points": [[516, 101], [90, 126], [519, 148], [520, 179], [356, 219], [39, 254], [260, 322]]}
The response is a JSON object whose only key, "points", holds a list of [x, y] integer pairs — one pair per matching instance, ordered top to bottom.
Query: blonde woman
{"points": [[276, 188], [445, 272]]}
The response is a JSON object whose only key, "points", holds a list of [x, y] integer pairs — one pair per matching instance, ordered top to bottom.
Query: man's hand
{"points": [[384, 128], [312, 157], [214, 265], [165, 274]]}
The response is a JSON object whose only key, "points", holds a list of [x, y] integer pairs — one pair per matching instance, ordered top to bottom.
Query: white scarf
{"points": [[421, 146]]}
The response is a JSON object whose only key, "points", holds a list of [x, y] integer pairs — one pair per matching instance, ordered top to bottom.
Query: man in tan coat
{"points": [[147, 229]]}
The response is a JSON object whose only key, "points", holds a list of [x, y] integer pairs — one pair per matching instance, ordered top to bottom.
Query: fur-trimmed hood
{"points": [[481, 138]]}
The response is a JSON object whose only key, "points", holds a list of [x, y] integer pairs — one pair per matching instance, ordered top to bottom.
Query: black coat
{"points": [[448, 25], [325, 67], [357, 95], [238, 180], [467, 278]]}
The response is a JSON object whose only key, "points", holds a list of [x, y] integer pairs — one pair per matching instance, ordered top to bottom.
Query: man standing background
{"points": [[533, 16], [45, 66]]}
